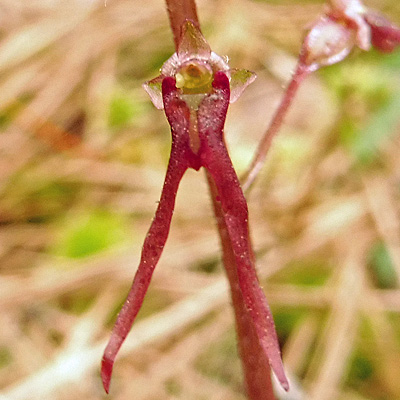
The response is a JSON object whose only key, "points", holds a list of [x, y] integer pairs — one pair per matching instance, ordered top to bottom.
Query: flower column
{"points": [[195, 88]]}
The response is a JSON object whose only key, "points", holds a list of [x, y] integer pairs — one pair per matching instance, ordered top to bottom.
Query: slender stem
{"points": [[178, 12], [301, 72], [181, 158], [215, 158], [151, 253], [258, 344], [256, 367], [257, 373]]}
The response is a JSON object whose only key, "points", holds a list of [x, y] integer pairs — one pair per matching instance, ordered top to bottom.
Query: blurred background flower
{"points": [[82, 159]]}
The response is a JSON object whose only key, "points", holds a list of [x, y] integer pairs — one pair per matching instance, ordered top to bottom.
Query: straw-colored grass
{"points": [[82, 160]]}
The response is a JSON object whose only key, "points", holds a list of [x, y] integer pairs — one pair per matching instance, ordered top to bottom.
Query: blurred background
{"points": [[83, 154]]}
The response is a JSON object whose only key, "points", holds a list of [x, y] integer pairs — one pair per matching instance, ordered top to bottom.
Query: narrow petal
{"points": [[351, 12], [385, 36], [192, 43], [327, 43], [240, 79], [153, 89], [215, 158], [153, 246], [256, 368]]}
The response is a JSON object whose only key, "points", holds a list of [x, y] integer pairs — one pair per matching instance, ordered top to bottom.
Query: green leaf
{"points": [[240, 79], [124, 108], [378, 130], [91, 232], [382, 268], [307, 273], [5, 356], [362, 368]]}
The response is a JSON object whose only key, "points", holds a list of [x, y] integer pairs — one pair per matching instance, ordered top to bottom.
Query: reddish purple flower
{"points": [[346, 23], [385, 36], [193, 66], [195, 88]]}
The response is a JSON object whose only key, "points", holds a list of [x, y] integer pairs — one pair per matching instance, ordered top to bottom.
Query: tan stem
{"points": [[178, 12], [258, 161], [257, 373]]}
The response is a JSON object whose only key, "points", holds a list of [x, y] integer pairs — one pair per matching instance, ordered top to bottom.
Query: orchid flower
{"points": [[347, 23], [330, 39], [194, 89]]}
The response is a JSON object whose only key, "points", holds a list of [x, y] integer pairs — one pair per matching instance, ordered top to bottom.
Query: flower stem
{"points": [[178, 12], [301, 72], [215, 158], [181, 159], [258, 343], [256, 368]]}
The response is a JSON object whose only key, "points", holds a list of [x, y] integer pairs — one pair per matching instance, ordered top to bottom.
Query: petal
{"points": [[351, 12], [385, 36], [192, 43], [327, 43], [240, 79], [153, 89], [215, 158], [153, 246]]}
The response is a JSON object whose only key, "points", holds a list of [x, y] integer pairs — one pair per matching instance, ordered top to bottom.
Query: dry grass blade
{"points": [[384, 210], [325, 225], [341, 329], [73, 362]]}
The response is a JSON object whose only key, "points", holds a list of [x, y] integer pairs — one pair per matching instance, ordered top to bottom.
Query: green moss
{"points": [[124, 109], [91, 232], [207, 266], [381, 267], [306, 272], [285, 321], [5, 356], [220, 362], [173, 387]]}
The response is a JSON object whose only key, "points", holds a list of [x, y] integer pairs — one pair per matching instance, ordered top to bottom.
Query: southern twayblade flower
{"points": [[347, 23], [371, 27], [385, 36], [330, 39], [193, 66], [195, 88]]}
